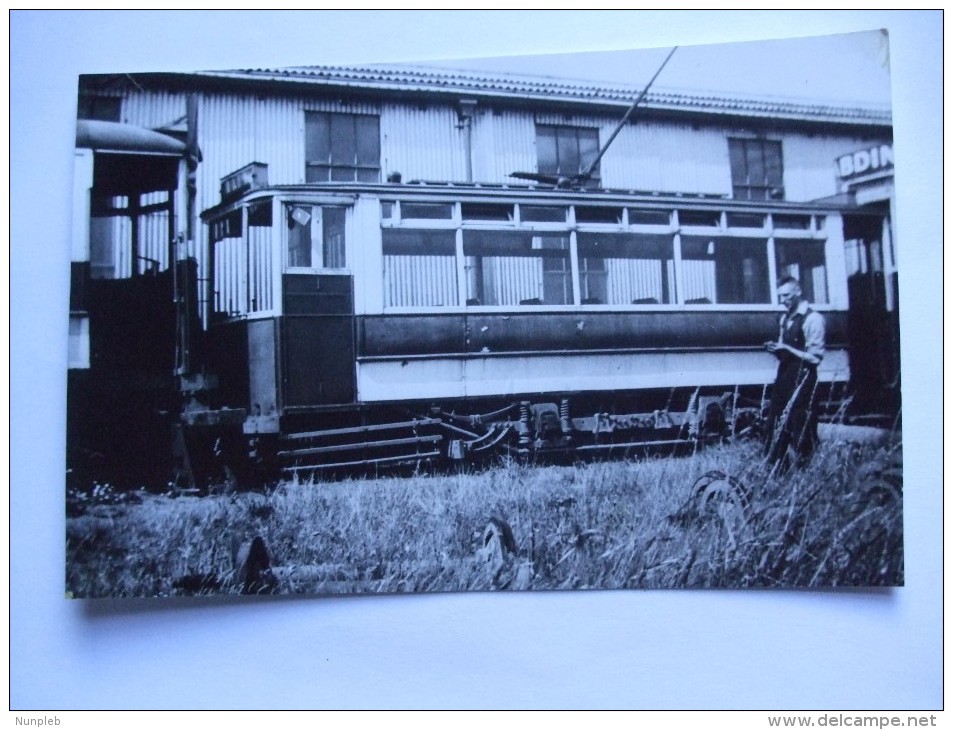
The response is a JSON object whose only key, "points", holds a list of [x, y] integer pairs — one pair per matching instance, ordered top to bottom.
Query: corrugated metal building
{"points": [[677, 143]]}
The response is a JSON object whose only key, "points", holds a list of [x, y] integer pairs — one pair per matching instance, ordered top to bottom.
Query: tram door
{"points": [[873, 317], [318, 323]]}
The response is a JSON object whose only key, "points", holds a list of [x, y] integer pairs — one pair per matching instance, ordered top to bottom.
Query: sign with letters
{"points": [[869, 161]]}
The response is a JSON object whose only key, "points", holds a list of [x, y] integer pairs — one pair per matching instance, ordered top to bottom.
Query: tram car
{"points": [[317, 310], [353, 324]]}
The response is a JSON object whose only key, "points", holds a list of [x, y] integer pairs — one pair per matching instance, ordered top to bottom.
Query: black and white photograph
{"points": [[617, 320]]}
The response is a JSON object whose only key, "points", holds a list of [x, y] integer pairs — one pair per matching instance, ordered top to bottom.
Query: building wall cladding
{"points": [[425, 140], [422, 143], [809, 162]]}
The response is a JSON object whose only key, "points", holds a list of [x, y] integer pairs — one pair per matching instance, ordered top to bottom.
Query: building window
{"points": [[342, 147], [566, 151], [757, 172]]}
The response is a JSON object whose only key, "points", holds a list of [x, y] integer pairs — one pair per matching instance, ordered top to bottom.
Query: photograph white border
{"points": [[876, 649]]}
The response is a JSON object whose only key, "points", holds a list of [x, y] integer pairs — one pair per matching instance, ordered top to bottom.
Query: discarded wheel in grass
{"points": [[715, 490], [715, 494], [496, 544], [499, 554], [252, 567]]}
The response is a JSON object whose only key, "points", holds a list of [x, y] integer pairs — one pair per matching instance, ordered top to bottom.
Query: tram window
{"points": [[426, 211], [486, 212], [259, 214], [542, 214], [598, 215], [638, 216], [702, 218], [745, 220], [792, 222], [228, 226], [315, 237], [333, 238], [407, 242], [108, 249], [300, 253], [259, 256], [863, 256], [804, 260], [242, 261], [229, 265], [420, 268], [510, 268], [622, 268], [721, 270], [557, 281], [78, 341]]}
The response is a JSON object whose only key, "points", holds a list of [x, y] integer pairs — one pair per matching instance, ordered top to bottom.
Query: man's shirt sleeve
{"points": [[814, 334]]}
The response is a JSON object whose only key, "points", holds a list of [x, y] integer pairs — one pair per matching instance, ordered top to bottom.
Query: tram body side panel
{"points": [[332, 343], [474, 355], [229, 362], [262, 367]]}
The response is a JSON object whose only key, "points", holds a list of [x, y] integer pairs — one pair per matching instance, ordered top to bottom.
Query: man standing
{"points": [[791, 434]]}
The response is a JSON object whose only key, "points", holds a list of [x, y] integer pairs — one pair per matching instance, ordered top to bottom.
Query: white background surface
{"points": [[663, 649]]}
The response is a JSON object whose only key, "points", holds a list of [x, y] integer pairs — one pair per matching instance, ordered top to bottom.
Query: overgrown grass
{"points": [[620, 524]]}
